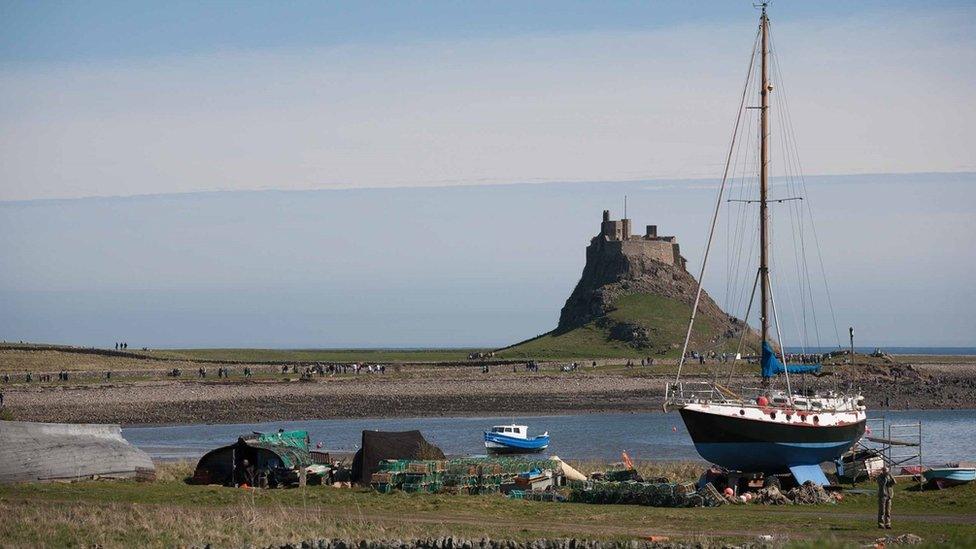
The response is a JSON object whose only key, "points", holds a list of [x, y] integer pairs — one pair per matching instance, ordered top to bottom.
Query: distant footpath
{"points": [[139, 388]]}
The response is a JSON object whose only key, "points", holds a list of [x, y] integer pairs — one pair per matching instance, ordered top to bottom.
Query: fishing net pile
{"points": [[509, 465], [474, 476], [651, 494], [807, 494], [537, 495]]}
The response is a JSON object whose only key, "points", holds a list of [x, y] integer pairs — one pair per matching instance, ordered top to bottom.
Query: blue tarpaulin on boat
{"points": [[771, 365], [813, 473]]}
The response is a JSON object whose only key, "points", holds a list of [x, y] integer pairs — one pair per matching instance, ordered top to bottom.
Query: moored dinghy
{"points": [[514, 439]]}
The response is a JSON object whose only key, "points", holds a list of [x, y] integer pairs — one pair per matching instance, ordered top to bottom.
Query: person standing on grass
{"points": [[886, 490]]}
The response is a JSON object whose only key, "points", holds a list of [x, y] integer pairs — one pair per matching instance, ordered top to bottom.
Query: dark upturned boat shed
{"points": [[380, 445], [252, 461]]}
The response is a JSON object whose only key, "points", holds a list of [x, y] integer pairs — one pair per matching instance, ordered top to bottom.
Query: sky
{"points": [[126, 98], [408, 174], [469, 266]]}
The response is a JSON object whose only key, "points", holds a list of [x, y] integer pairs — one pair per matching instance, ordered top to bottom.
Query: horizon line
{"points": [[439, 185], [422, 348]]}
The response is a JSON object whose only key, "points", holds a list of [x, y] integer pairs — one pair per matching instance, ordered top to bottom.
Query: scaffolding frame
{"points": [[899, 444]]}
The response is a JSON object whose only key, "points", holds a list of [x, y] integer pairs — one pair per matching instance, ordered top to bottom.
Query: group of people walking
{"points": [[710, 355], [644, 362], [334, 368], [29, 377]]}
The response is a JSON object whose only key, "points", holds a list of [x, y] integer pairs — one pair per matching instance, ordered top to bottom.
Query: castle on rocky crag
{"points": [[615, 238], [619, 263]]}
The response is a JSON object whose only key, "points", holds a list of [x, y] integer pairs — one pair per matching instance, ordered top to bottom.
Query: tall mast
{"points": [[763, 175]]}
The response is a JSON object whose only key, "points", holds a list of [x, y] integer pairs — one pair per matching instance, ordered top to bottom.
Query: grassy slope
{"points": [[667, 318], [168, 512]]}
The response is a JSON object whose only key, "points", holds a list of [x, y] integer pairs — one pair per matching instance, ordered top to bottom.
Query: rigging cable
{"points": [[718, 205], [809, 208], [797, 223], [745, 331], [782, 350]]}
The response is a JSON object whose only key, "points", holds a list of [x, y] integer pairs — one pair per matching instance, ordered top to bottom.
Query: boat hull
{"points": [[501, 444], [750, 445], [952, 476]]}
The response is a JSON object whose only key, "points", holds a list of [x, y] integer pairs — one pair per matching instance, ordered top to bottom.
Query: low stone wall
{"points": [[485, 543]]}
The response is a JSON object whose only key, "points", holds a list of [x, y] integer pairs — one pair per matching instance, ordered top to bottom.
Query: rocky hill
{"points": [[634, 298]]}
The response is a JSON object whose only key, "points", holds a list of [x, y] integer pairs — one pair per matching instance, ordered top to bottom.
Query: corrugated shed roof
{"points": [[291, 456]]}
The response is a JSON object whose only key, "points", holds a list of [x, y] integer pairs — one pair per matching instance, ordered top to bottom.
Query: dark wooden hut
{"points": [[253, 461]]}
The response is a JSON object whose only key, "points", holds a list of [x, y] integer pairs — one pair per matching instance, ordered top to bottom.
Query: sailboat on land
{"points": [[765, 430]]}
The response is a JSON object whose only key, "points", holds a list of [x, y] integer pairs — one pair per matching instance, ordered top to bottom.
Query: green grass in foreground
{"points": [[665, 318], [312, 355], [169, 512]]}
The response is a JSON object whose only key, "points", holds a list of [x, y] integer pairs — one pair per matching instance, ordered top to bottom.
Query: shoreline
{"points": [[149, 397], [178, 403]]}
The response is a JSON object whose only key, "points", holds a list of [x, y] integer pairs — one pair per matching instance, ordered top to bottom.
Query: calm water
{"points": [[940, 351], [946, 435]]}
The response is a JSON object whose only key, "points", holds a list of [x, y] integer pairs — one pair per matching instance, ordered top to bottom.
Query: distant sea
{"points": [[942, 351]]}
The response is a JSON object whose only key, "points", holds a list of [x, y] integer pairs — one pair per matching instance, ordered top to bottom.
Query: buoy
{"points": [[762, 401], [674, 429], [729, 492]]}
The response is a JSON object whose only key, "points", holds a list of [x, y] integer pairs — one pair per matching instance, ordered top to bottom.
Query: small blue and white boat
{"points": [[514, 439], [943, 477]]}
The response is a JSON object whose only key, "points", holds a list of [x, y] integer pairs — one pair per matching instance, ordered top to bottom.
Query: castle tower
{"points": [[611, 230], [615, 238]]}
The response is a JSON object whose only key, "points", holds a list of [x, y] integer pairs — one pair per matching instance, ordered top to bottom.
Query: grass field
{"points": [[666, 320], [589, 342], [314, 355], [51, 358], [168, 512]]}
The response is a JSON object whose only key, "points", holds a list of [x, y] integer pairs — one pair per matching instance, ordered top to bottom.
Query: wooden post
{"points": [[851, 330]]}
